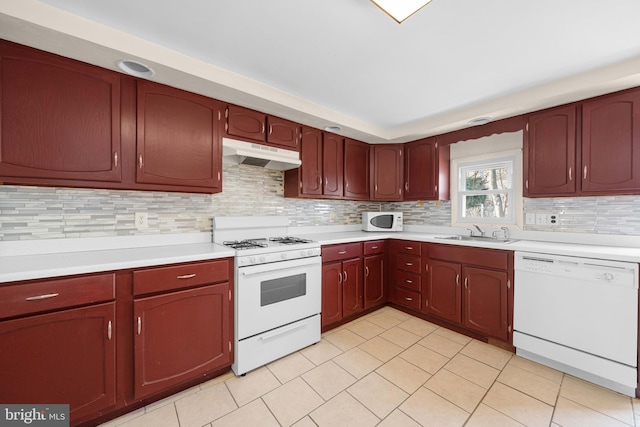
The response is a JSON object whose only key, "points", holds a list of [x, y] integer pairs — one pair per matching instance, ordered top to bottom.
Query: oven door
{"points": [[272, 295]]}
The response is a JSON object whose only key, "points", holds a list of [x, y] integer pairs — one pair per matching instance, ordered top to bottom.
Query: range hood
{"points": [[247, 153]]}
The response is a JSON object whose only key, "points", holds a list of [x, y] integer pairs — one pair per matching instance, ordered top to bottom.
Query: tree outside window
{"points": [[485, 191]]}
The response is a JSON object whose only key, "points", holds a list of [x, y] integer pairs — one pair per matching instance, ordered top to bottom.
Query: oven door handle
{"points": [[278, 266], [281, 331]]}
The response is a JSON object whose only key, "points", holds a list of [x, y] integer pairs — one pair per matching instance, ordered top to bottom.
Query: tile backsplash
{"points": [[48, 213]]}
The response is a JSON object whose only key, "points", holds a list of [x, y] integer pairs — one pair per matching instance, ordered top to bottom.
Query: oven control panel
{"points": [[266, 258]]}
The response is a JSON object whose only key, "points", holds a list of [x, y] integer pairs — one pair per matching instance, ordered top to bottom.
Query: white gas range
{"points": [[277, 289]]}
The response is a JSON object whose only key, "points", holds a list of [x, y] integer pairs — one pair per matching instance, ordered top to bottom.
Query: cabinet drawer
{"points": [[374, 247], [408, 247], [337, 252], [490, 258], [408, 263], [180, 276], [409, 280], [46, 295], [408, 298]]}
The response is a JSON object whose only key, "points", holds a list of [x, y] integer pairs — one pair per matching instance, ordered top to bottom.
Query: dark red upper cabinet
{"points": [[60, 119], [245, 123], [283, 133], [177, 141], [611, 144], [550, 152], [311, 157], [332, 165], [387, 166], [356, 170], [421, 170]]}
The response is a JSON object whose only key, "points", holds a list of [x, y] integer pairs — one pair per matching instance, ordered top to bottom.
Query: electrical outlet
{"points": [[332, 217], [530, 219], [546, 219], [141, 220]]}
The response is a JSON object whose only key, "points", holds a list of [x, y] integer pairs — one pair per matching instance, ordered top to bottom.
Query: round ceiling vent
{"points": [[135, 68], [479, 121], [333, 128]]}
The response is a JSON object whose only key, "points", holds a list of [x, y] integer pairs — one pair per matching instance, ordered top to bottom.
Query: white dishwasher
{"points": [[578, 315]]}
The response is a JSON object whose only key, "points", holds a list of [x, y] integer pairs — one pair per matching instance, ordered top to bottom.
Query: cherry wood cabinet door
{"points": [[59, 119], [245, 123], [283, 133], [177, 138], [611, 144], [550, 153], [311, 157], [332, 165], [356, 170], [420, 170], [388, 176], [374, 286], [352, 287], [331, 292], [444, 296], [485, 301], [180, 336], [63, 357]]}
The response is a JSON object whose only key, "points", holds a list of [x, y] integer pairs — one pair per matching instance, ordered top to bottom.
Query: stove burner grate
{"points": [[289, 240], [245, 244]]}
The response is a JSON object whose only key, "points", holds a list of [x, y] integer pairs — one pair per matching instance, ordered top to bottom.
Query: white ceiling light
{"points": [[400, 9]]}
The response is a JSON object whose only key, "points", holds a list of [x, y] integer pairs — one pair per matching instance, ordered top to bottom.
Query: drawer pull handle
{"points": [[374, 247], [409, 248], [342, 252], [409, 264], [187, 276], [408, 281], [39, 297], [408, 298]]}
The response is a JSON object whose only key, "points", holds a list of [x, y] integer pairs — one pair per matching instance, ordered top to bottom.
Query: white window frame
{"points": [[514, 219]]}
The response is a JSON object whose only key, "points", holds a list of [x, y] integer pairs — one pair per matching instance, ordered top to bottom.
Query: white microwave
{"points": [[382, 221]]}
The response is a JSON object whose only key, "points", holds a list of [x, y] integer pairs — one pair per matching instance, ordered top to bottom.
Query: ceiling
{"points": [[346, 63]]}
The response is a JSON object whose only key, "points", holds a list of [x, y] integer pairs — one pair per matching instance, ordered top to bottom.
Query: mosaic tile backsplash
{"points": [[48, 213]]}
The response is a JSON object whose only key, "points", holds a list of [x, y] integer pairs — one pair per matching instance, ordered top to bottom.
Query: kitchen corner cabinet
{"points": [[60, 119], [257, 126], [177, 138], [584, 149], [387, 167], [356, 170], [426, 170], [472, 287], [375, 289], [342, 292], [182, 324], [58, 343]]}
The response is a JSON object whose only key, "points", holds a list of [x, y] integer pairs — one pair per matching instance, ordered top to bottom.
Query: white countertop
{"points": [[175, 249], [599, 251], [59, 257]]}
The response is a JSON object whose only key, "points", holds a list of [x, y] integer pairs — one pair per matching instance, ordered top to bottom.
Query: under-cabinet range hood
{"points": [[247, 153]]}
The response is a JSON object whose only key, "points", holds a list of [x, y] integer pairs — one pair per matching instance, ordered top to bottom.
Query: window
{"points": [[487, 190]]}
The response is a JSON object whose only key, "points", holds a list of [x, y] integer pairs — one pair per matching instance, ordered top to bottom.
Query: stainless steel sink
{"points": [[477, 239]]}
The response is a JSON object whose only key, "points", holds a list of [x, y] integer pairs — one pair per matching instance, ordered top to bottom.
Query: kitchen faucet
{"points": [[479, 229]]}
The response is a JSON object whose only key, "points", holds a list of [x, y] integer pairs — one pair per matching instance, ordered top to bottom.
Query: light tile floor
{"points": [[392, 369]]}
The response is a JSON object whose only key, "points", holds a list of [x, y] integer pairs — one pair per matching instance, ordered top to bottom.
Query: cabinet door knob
{"points": [[115, 159], [140, 161], [570, 173], [584, 175], [366, 271], [345, 277], [458, 279], [466, 283], [139, 325], [109, 330]]}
